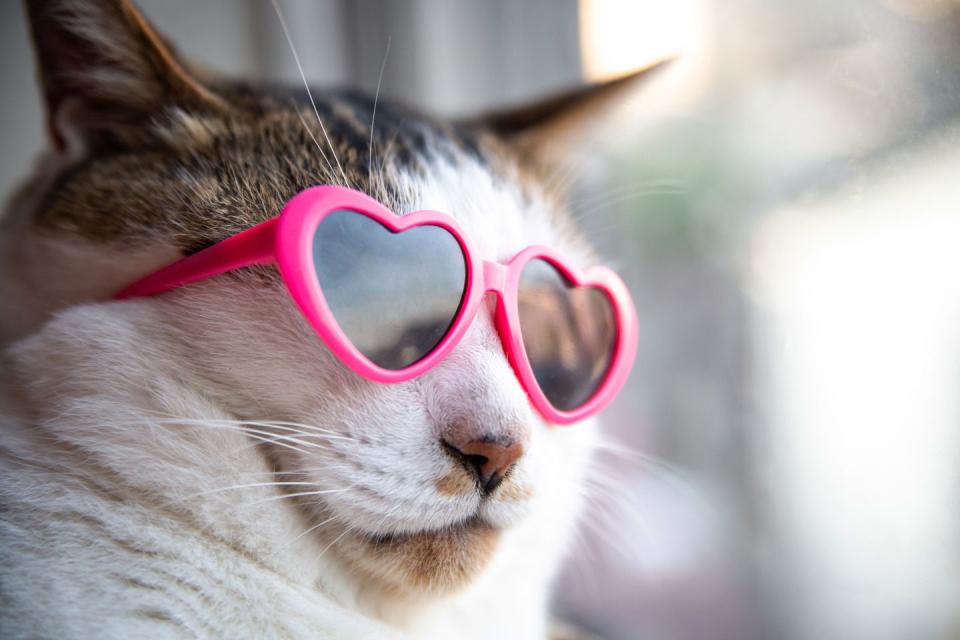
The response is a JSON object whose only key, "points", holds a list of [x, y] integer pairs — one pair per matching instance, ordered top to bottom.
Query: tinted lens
{"points": [[395, 295], [569, 334]]}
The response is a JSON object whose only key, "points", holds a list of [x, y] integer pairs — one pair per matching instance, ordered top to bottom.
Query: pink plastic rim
{"points": [[287, 240]]}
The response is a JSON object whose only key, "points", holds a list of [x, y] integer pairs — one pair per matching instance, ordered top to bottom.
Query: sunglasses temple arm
{"points": [[256, 245]]}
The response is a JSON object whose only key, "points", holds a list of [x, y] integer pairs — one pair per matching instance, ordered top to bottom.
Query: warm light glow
{"points": [[924, 10], [619, 36]]}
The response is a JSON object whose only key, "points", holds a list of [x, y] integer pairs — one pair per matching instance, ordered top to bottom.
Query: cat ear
{"points": [[105, 71], [560, 122]]}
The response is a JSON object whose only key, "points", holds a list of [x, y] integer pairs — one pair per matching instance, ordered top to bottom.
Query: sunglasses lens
{"points": [[394, 295], [569, 334]]}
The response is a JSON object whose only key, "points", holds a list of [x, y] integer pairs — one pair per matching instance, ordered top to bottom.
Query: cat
{"points": [[198, 464]]}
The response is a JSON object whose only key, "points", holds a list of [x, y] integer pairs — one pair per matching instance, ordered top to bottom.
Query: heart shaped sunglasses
{"points": [[392, 295]]}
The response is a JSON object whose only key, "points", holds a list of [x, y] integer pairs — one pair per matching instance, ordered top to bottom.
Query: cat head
{"points": [[153, 158]]}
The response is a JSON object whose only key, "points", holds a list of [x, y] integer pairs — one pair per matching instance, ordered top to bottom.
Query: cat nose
{"points": [[488, 460]]}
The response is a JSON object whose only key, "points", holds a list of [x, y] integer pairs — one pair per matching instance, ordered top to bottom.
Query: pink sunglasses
{"points": [[392, 295]]}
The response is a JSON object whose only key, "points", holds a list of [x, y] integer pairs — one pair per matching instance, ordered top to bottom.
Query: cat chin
{"points": [[435, 560], [430, 562]]}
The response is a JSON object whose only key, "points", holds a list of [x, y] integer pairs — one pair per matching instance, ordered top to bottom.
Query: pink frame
{"points": [[287, 240]]}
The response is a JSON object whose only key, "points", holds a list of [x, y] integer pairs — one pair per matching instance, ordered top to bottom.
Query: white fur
{"points": [[117, 457]]}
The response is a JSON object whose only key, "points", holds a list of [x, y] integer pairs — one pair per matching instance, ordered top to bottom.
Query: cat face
{"points": [[156, 160], [388, 494]]}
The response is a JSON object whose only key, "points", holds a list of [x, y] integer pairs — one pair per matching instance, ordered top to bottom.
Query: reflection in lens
{"points": [[394, 295], [569, 334]]}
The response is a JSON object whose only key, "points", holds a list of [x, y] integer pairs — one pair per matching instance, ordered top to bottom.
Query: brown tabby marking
{"points": [[455, 483]]}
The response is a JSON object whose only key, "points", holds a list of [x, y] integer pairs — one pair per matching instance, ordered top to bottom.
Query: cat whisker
{"points": [[303, 76], [373, 116], [316, 142], [387, 153], [564, 175], [605, 193], [635, 194], [173, 417], [241, 427], [308, 427], [296, 428], [319, 434], [265, 437], [282, 437], [259, 441], [273, 441], [629, 453], [649, 463], [306, 471], [251, 485], [257, 485], [299, 494], [612, 503], [387, 515], [347, 530], [308, 531], [603, 535], [586, 556]]}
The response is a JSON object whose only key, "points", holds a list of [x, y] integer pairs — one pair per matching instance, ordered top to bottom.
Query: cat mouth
{"points": [[486, 516], [472, 523]]}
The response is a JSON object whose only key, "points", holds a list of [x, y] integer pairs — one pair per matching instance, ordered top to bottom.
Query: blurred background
{"points": [[785, 205]]}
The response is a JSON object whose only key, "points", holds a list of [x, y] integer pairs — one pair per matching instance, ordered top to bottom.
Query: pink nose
{"points": [[489, 461]]}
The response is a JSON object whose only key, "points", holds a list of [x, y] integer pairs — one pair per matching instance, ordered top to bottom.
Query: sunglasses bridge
{"points": [[494, 277]]}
